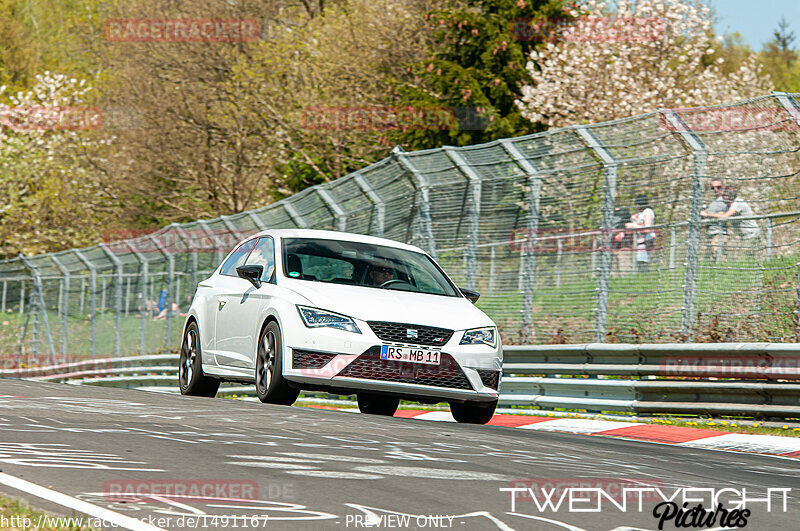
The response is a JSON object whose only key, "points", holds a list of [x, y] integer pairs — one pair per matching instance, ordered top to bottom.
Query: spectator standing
{"points": [[747, 229], [717, 232], [644, 240]]}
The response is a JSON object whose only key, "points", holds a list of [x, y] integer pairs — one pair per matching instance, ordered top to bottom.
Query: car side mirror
{"points": [[251, 273], [473, 296]]}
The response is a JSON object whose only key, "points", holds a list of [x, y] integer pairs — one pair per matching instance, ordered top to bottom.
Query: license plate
{"points": [[414, 355]]}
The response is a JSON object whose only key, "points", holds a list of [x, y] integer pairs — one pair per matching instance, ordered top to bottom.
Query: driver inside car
{"points": [[379, 275]]}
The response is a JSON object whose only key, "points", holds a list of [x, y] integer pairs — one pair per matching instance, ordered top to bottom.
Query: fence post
{"points": [[698, 150], [609, 192], [378, 203], [423, 203], [335, 209], [473, 213], [295, 216], [257, 221], [769, 239], [217, 242], [191, 245], [673, 246], [528, 247], [492, 258], [170, 286], [143, 291], [39, 295], [21, 297], [92, 298], [117, 299], [64, 303], [3, 304]]}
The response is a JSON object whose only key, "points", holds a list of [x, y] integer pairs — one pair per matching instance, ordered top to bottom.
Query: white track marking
{"points": [[579, 425], [747, 442], [431, 473], [75, 504]]}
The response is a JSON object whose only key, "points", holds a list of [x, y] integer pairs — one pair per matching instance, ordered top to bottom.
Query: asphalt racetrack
{"points": [[146, 460]]}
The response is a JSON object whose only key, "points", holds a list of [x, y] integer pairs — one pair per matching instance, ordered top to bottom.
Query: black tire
{"points": [[191, 379], [271, 386], [377, 404], [473, 412]]}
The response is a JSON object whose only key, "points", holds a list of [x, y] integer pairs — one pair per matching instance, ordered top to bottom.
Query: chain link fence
{"points": [[533, 223]]}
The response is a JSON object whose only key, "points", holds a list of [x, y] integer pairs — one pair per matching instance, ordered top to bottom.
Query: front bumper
{"points": [[352, 362]]}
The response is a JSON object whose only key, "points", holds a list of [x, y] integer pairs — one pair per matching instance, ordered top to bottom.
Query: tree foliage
{"points": [[577, 81]]}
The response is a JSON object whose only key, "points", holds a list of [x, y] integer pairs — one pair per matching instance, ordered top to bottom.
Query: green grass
{"points": [[16, 514]]}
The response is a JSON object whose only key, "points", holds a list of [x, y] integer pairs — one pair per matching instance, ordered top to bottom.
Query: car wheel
{"points": [[191, 379], [271, 386], [377, 404], [473, 412]]}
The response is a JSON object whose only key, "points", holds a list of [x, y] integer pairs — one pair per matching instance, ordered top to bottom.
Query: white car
{"points": [[343, 313]]}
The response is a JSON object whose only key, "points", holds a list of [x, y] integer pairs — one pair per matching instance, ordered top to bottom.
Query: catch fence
{"points": [[533, 223]]}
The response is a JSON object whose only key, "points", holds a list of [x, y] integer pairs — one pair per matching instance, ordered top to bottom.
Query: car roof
{"points": [[337, 235]]}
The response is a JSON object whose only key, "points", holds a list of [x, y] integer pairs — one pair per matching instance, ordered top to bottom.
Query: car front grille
{"points": [[405, 333], [309, 359], [370, 366], [490, 378]]}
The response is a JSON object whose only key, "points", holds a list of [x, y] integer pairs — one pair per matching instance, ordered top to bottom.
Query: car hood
{"points": [[374, 304]]}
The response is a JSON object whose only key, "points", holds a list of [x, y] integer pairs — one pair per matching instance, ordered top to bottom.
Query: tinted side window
{"points": [[264, 255], [237, 258]]}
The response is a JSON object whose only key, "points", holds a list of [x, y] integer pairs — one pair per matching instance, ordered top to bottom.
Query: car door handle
{"points": [[222, 303]]}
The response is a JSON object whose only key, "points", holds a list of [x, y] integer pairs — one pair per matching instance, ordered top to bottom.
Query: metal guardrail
{"points": [[722, 379]]}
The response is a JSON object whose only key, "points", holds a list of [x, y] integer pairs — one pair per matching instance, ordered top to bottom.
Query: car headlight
{"points": [[316, 318], [480, 336]]}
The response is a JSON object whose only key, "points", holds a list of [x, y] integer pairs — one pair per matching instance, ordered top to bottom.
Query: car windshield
{"points": [[362, 264]]}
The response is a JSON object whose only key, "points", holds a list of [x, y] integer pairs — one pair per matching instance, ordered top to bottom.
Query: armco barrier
{"points": [[736, 379]]}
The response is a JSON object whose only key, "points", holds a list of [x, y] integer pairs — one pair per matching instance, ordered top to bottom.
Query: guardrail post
{"points": [[699, 156], [609, 192], [423, 203], [378, 204], [335, 209], [473, 214], [528, 247], [170, 286], [37, 288], [143, 291], [92, 298], [117, 298], [64, 303]]}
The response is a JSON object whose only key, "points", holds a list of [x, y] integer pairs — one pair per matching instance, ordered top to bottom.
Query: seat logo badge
{"points": [[411, 333], [438, 339]]}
